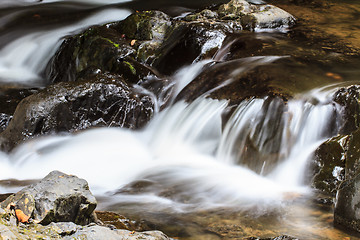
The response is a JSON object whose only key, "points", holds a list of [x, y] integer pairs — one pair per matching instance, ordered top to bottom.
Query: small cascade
{"points": [[22, 61], [274, 138], [185, 160]]}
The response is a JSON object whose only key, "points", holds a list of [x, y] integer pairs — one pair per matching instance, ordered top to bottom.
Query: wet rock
{"points": [[256, 16], [189, 42], [99, 48], [238, 80], [9, 99], [349, 99], [101, 100], [352, 162], [329, 164], [56, 198], [347, 211], [115, 220]]}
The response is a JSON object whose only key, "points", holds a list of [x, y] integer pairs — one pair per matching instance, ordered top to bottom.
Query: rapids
{"points": [[184, 148], [188, 159]]}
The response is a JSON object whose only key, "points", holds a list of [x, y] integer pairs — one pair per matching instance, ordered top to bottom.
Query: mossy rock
{"points": [[144, 25], [101, 48]]}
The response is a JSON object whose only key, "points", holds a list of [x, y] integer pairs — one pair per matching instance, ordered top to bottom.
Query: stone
{"points": [[256, 16], [100, 49], [229, 80], [9, 99], [349, 99], [99, 100], [329, 164], [56, 198], [347, 206], [97, 232]]}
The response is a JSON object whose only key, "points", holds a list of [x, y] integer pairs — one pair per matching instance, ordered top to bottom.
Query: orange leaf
{"points": [[21, 216]]}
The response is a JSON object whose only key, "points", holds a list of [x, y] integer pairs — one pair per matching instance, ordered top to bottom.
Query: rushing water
{"points": [[187, 164]]}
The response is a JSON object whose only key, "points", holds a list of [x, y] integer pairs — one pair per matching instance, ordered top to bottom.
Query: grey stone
{"points": [[56, 198], [98, 232]]}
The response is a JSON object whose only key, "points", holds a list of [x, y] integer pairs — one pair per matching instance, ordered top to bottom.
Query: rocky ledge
{"points": [[60, 206]]}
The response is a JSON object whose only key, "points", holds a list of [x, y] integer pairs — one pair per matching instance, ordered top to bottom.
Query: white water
{"points": [[23, 60], [182, 154]]}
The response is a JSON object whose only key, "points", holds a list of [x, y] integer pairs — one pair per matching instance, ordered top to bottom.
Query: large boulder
{"points": [[99, 48], [101, 100], [56, 198]]}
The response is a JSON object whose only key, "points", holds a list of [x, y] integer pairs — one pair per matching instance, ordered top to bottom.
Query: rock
{"points": [[256, 16], [145, 25], [189, 42], [99, 48], [229, 80], [9, 99], [349, 99], [100, 100], [352, 161], [329, 164], [56, 198], [347, 207], [115, 220], [69, 230], [97, 232], [6, 234], [284, 237]]}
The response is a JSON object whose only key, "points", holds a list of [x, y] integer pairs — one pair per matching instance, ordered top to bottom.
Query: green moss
{"points": [[114, 44], [133, 70]]}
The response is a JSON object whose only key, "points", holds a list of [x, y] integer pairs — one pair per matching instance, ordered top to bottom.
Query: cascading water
{"points": [[22, 61], [185, 159], [188, 160]]}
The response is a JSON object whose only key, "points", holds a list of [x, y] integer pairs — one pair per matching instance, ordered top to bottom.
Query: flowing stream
{"points": [[188, 168]]}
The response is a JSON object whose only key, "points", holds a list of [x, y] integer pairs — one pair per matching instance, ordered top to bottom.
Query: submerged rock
{"points": [[100, 100], [56, 198]]}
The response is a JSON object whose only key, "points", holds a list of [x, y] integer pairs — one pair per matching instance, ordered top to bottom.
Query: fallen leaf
{"points": [[132, 43], [21, 216]]}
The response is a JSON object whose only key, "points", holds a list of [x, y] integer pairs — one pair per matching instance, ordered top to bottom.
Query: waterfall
{"points": [[22, 61], [276, 139], [185, 159]]}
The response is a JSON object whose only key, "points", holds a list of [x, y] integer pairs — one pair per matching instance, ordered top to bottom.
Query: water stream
{"points": [[189, 172]]}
